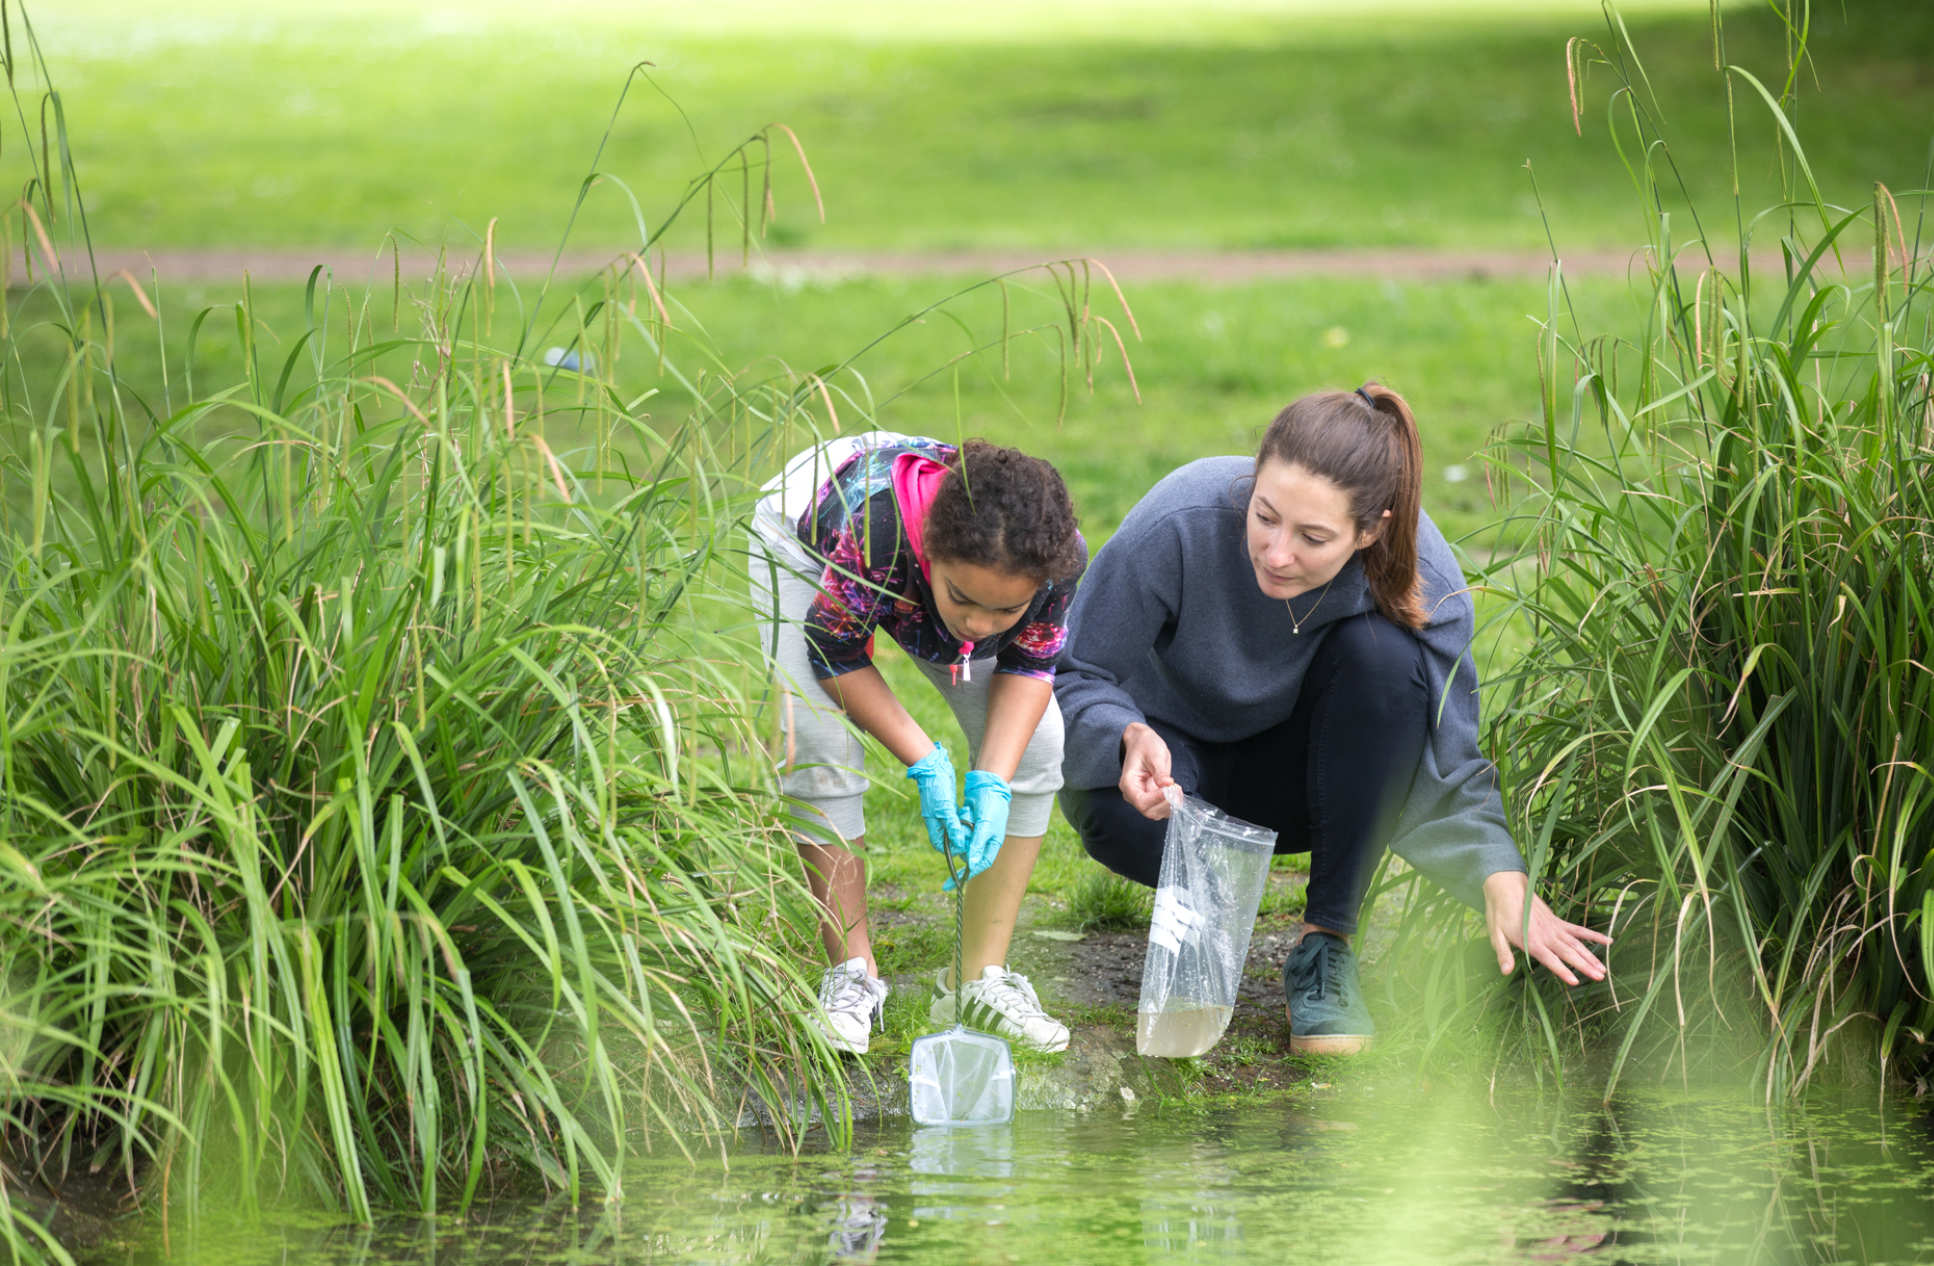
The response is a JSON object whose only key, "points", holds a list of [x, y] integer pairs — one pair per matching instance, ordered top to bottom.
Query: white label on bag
{"points": [[1172, 921]]}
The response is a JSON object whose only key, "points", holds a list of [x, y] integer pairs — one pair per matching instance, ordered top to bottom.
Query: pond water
{"points": [[1334, 1174]]}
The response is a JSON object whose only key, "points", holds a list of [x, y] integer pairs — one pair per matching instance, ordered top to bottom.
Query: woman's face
{"points": [[1300, 529], [977, 602]]}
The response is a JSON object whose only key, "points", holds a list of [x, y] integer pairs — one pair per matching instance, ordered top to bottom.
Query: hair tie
{"points": [[1366, 397]]}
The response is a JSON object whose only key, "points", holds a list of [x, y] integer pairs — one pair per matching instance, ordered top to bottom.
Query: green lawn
{"points": [[1079, 125], [1213, 365]]}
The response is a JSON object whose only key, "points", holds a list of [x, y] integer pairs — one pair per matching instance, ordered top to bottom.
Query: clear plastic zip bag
{"points": [[1214, 869]]}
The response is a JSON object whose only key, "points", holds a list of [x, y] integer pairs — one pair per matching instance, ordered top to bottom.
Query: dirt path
{"points": [[293, 264]]}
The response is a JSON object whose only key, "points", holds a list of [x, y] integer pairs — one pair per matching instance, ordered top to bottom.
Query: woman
{"points": [[967, 557], [1289, 639]]}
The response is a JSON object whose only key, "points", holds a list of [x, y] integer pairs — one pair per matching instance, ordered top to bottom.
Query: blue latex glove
{"points": [[933, 774], [988, 797]]}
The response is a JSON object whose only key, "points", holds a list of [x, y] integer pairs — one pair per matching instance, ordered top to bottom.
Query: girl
{"points": [[967, 557], [1288, 637]]}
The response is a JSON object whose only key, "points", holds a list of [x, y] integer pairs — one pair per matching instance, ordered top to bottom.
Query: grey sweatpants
{"points": [[823, 772]]}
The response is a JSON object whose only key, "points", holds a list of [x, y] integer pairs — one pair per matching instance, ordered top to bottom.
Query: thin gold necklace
{"points": [[1296, 625]]}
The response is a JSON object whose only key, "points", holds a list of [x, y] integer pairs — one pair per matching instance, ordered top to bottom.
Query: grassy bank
{"points": [[379, 828]]}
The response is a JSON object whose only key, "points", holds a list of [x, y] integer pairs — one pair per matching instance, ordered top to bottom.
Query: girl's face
{"points": [[1300, 530], [977, 602]]}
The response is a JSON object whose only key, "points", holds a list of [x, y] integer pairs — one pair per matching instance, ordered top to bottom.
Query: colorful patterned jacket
{"points": [[872, 581]]}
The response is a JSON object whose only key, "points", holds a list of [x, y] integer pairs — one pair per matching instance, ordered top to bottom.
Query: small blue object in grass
{"points": [[567, 358]]}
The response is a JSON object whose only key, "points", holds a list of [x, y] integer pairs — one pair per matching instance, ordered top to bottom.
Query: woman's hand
{"points": [[1145, 771], [1559, 945]]}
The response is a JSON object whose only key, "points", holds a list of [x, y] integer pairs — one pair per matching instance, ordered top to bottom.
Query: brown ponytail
{"points": [[1366, 443]]}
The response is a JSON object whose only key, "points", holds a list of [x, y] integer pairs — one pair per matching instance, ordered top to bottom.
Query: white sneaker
{"points": [[1001, 1002], [850, 1004]]}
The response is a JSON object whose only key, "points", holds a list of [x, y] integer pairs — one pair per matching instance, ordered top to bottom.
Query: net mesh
{"points": [[961, 1077]]}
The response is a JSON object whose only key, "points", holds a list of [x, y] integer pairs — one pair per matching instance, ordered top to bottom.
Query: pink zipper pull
{"points": [[964, 669]]}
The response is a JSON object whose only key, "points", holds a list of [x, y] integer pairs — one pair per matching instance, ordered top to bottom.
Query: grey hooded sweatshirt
{"points": [[1169, 625]]}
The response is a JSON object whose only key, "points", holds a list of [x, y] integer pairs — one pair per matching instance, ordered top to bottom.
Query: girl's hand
{"points": [[1145, 771], [933, 774], [988, 799], [1559, 945]]}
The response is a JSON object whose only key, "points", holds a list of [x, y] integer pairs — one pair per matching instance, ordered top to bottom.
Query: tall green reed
{"points": [[1717, 740], [384, 805], [376, 824]]}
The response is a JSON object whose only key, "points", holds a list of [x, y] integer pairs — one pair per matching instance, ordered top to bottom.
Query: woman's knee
{"points": [[1382, 664], [1114, 834]]}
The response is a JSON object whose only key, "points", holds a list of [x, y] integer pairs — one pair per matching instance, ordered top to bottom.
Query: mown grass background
{"points": [[1065, 127], [1072, 127]]}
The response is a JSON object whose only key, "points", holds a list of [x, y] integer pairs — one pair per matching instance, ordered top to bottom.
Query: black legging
{"points": [[1329, 780]]}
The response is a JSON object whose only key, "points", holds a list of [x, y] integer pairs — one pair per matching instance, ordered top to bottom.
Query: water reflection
{"points": [[960, 1171], [1378, 1174], [1195, 1215], [1577, 1218], [859, 1228], [1199, 1231]]}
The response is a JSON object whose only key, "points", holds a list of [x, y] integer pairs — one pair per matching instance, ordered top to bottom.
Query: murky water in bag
{"points": [[1214, 869], [1181, 1031]]}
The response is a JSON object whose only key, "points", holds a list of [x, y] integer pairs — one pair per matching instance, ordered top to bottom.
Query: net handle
{"points": [[958, 873]]}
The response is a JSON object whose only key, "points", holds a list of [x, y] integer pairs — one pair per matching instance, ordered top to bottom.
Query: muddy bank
{"points": [[1091, 981]]}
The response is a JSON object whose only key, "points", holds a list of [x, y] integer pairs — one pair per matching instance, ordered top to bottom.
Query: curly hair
{"points": [[1000, 508]]}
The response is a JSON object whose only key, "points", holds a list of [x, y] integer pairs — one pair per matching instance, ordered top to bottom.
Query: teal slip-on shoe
{"points": [[1322, 1000]]}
